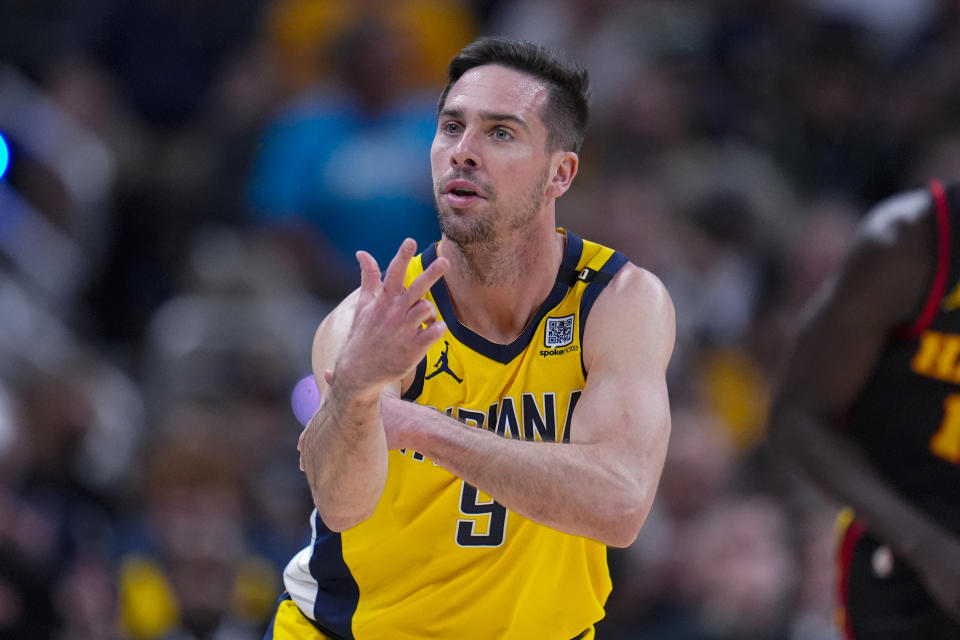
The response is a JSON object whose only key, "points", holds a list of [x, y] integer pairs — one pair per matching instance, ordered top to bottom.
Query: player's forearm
{"points": [[345, 457], [844, 473], [573, 488]]}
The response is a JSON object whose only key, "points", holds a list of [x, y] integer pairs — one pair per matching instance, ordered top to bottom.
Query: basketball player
{"points": [[869, 405], [494, 409]]}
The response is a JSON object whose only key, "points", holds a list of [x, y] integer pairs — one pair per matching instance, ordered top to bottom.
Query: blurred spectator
{"points": [[299, 34], [613, 39], [834, 139], [335, 173], [177, 185], [826, 231], [242, 323], [237, 337], [84, 422], [701, 464], [66, 467], [700, 469], [737, 571], [185, 580], [86, 599], [26, 607]]}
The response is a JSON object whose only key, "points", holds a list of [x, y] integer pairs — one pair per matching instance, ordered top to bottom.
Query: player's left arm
{"points": [[625, 409], [601, 485]]}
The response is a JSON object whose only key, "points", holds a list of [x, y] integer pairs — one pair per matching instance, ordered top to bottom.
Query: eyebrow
{"points": [[489, 116]]}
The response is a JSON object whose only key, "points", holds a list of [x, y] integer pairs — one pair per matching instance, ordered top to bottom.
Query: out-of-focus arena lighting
{"points": [[4, 156]]}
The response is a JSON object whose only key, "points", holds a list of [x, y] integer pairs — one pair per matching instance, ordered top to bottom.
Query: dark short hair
{"points": [[565, 114]]}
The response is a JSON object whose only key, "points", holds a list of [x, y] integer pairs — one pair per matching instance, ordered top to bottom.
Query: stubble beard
{"points": [[482, 230], [478, 238]]}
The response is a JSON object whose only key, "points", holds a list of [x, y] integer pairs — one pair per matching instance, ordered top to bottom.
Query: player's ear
{"points": [[565, 169]]}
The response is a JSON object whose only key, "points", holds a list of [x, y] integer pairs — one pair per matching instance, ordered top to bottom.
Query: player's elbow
{"points": [[339, 514], [626, 519], [341, 520], [339, 525], [623, 538]]}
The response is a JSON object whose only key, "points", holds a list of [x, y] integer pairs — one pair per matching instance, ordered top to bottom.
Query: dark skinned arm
{"points": [[882, 285]]}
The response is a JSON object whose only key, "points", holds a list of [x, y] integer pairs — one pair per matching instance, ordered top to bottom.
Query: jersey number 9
{"points": [[467, 529]]}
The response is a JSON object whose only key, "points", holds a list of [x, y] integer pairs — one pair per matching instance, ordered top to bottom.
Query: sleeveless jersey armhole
{"points": [[609, 269], [416, 387]]}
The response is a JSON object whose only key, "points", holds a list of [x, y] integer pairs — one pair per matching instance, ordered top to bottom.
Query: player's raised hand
{"points": [[393, 326]]}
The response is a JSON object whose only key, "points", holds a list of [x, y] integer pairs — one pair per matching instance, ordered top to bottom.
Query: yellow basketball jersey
{"points": [[440, 559]]}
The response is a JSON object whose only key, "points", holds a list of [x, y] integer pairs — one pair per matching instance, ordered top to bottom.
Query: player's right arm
{"points": [[882, 285], [370, 342]]}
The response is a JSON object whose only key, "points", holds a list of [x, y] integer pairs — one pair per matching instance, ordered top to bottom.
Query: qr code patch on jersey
{"points": [[559, 332]]}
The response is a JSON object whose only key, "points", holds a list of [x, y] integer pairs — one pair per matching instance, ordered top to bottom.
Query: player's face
{"points": [[489, 158]]}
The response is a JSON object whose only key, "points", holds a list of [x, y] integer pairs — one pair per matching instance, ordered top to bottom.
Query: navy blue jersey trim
{"points": [[613, 264], [503, 353], [416, 387], [337, 591], [268, 634]]}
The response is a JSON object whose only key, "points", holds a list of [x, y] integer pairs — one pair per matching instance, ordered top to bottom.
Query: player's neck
{"points": [[497, 288]]}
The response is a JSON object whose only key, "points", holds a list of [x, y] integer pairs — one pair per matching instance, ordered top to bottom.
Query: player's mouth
{"points": [[461, 193]]}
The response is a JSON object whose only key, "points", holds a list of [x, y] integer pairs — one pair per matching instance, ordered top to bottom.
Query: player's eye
{"points": [[451, 128], [501, 134]]}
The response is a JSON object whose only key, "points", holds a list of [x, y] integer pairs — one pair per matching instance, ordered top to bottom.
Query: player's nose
{"points": [[466, 153]]}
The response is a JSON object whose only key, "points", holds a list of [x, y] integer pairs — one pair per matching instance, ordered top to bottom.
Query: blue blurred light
{"points": [[4, 156]]}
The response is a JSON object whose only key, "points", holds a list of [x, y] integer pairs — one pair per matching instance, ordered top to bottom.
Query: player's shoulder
{"points": [[902, 223], [892, 256], [633, 284], [636, 303]]}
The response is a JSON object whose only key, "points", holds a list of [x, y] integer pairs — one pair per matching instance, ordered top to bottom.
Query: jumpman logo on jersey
{"points": [[443, 365]]}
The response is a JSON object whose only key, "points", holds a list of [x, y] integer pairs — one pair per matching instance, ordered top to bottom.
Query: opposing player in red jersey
{"points": [[868, 404]]}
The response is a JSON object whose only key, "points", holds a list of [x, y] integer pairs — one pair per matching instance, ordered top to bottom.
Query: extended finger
{"points": [[369, 274], [393, 279], [422, 283], [422, 312], [429, 334]]}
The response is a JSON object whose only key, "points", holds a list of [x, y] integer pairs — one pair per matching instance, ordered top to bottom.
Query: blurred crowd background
{"points": [[187, 184]]}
